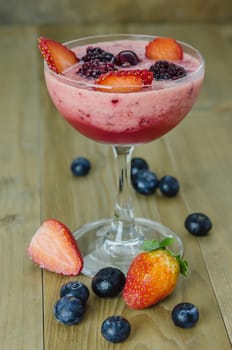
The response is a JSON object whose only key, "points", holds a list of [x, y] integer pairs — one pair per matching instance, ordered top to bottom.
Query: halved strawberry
{"points": [[164, 49], [57, 56], [124, 80], [54, 248]]}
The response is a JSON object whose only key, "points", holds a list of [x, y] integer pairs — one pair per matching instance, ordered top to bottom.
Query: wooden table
{"points": [[37, 147]]}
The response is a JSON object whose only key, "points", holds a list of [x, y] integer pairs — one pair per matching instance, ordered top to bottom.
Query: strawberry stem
{"points": [[150, 245], [184, 270]]}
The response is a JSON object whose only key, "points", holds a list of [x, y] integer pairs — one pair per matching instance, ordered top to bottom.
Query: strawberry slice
{"points": [[164, 49], [57, 56], [144, 74], [124, 81], [54, 248]]}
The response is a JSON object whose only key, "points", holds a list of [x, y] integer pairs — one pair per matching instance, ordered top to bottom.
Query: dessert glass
{"points": [[123, 120]]}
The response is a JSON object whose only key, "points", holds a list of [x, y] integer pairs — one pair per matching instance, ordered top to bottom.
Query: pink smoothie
{"points": [[125, 118]]}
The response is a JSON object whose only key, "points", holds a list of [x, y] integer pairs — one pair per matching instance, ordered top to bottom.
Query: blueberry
{"points": [[126, 58], [138, 164], [80, 166], [145, 182], [169, 186], [198, 224], [108, 282], [75, 289], [69, 310], [185, 315], [116, 329]]}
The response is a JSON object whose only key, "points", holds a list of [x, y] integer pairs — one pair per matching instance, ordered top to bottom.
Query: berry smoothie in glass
{"points": [[122, 90]]}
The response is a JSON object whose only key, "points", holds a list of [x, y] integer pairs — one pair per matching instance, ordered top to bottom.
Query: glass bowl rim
{"points": [[158, 83]]}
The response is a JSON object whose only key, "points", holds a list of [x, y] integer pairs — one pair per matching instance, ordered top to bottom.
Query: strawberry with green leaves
{"points": [[152, 275]]}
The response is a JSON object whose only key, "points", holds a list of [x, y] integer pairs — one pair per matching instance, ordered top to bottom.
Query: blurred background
{"points": [[114, 11]]}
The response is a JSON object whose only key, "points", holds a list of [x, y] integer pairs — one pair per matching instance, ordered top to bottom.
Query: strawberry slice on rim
{"points": [[164, 49], [57, 56], [124, 81], [54, 248]]}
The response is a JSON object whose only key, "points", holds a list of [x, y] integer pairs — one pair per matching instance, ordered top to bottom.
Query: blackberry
{"points": [[96, 53], [94, 69], [165, 70]]}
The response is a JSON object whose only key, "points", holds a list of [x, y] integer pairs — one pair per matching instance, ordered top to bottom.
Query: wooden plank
{"points": [[199, 154], [193, 156], [209, 186], [21, 293]]}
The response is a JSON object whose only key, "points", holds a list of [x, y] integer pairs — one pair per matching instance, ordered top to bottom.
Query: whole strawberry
{"points": [[152, 275]]}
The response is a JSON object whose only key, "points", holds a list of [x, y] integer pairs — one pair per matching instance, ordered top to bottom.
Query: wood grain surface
{"points": [[37, 147]]}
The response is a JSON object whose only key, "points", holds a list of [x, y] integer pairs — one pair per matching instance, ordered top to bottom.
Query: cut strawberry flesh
{"points": [[164, 49], [57, 56], [124, 81], [54, 248]]}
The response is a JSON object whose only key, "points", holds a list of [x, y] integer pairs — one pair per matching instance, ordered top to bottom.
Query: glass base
{"points": [[99, 251]]}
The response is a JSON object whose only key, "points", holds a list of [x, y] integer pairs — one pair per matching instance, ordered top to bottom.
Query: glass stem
{"points": [[123, 227]]}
